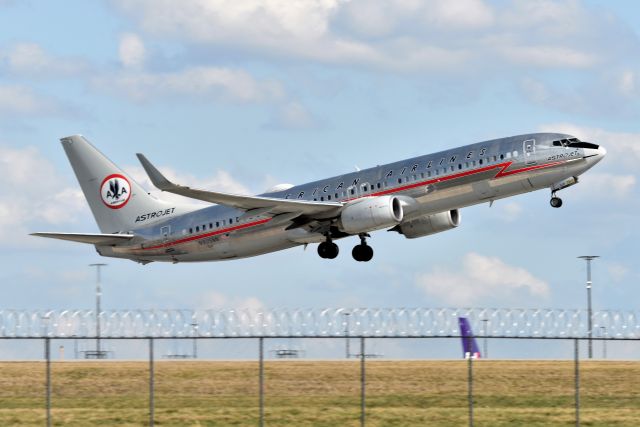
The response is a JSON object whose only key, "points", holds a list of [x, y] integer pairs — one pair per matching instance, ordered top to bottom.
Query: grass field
{"points": [[322, 393]]}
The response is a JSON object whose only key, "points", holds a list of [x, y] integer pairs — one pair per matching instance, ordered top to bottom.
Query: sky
{"points": [[239, 96]]}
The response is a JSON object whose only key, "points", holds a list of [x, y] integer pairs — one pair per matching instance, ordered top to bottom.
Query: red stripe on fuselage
{"points": [[501, 173], [213, 233]]}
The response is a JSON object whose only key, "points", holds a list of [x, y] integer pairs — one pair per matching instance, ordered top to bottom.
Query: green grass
{"points": [[321, 393]]}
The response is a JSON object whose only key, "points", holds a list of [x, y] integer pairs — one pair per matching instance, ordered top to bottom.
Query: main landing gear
{"points": [[555, 202], [328, 249], [362, 252]]}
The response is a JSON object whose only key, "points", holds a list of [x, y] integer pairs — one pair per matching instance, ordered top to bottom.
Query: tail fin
{"points": [[118, 203], [469, 344]]}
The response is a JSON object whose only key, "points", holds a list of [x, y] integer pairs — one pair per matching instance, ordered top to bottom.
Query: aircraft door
{"points": [[529, 149], [165, 231]]}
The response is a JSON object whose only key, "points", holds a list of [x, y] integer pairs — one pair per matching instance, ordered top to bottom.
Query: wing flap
{"points": [[269, 204], [91, 238]]}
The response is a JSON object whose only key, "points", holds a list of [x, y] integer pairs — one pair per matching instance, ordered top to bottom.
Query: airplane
{"points": [[415, 197], [469, 344]]}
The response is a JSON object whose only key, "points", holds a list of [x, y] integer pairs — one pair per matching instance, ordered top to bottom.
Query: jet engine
{"points": [[370, 214], [429, 224]]}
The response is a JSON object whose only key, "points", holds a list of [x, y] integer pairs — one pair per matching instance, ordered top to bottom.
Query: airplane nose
{"points": [[602, 151]]}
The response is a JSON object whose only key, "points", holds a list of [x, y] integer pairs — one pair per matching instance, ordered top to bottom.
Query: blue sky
{"points": [[238, 96]]}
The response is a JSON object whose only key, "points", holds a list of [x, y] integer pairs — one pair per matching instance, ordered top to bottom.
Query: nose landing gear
{"points": [[555, 202], [362, 252]]}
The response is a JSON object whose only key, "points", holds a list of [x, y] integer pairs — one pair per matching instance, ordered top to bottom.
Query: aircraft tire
{"points": [[555, 202], [328, 250], [362, 253]]}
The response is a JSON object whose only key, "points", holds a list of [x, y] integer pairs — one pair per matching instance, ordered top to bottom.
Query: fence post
{"points": [[47, 355], [576, 356], [261, 381], [470, 382], [363, 383], [151, 384]]}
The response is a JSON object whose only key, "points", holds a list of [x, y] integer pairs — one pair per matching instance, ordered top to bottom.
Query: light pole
{"points": [[589, 258], [98, 266]]}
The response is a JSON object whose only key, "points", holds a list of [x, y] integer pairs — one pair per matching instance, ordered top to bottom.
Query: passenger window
{"points": [[508, 155], [501, 156], [495, 158], [480, 161], [459, 166], [451, 168], [428, 173], [422, 175], [399, 180], [378, 185], [364, 188], [352, 193], [336, 195], [328, 196], [322, 198], [230, 220], [224, 222], [217, 223], [210, 226], [197, 228], [191, 231]]}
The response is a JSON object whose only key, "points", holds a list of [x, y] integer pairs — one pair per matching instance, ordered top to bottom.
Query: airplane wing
{"points": [[268, 204], [91, 238]]}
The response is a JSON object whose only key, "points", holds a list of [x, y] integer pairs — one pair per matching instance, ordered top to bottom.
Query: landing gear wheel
{"points": [[555, 202], [328, 250], [362, 252]]}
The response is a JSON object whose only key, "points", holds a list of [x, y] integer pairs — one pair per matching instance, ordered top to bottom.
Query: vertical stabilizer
{"points": [[118, 203], [469, 344]]}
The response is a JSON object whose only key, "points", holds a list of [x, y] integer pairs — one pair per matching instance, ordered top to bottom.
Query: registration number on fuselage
{"points": [[562, 156]]}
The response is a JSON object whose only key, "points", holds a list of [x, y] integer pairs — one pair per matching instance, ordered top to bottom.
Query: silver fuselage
{"points": [[429, 184]]}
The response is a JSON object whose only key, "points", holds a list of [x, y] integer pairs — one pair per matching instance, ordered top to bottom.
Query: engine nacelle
{"points": [[371, 213], [429, 224]]}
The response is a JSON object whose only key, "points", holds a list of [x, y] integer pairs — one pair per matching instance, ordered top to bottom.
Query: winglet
{"points": [[155, 176]]}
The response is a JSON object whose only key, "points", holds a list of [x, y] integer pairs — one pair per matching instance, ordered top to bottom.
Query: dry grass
{"points": [[399, 393]]}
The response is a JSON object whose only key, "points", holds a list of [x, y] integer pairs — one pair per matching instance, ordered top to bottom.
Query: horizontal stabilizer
{"points": [[270, 204], [91, 238]]}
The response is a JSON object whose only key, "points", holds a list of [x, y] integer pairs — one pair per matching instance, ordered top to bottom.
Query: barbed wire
{"points": [[330, 322]]}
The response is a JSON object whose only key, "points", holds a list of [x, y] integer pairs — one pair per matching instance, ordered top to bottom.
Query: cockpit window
{"points": [[574, 143]]}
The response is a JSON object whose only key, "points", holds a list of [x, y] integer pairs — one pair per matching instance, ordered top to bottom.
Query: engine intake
{"points": [[370, 214], [429, 224]]}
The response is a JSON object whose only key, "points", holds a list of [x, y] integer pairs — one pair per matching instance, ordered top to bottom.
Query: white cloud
{"points": [[403, 35], [132, 51], [545, 56], [30, 59], [203, 83], [20, 100], [220, 181], [606, 185], [33, 193], [511, 211], [482, 280]]}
